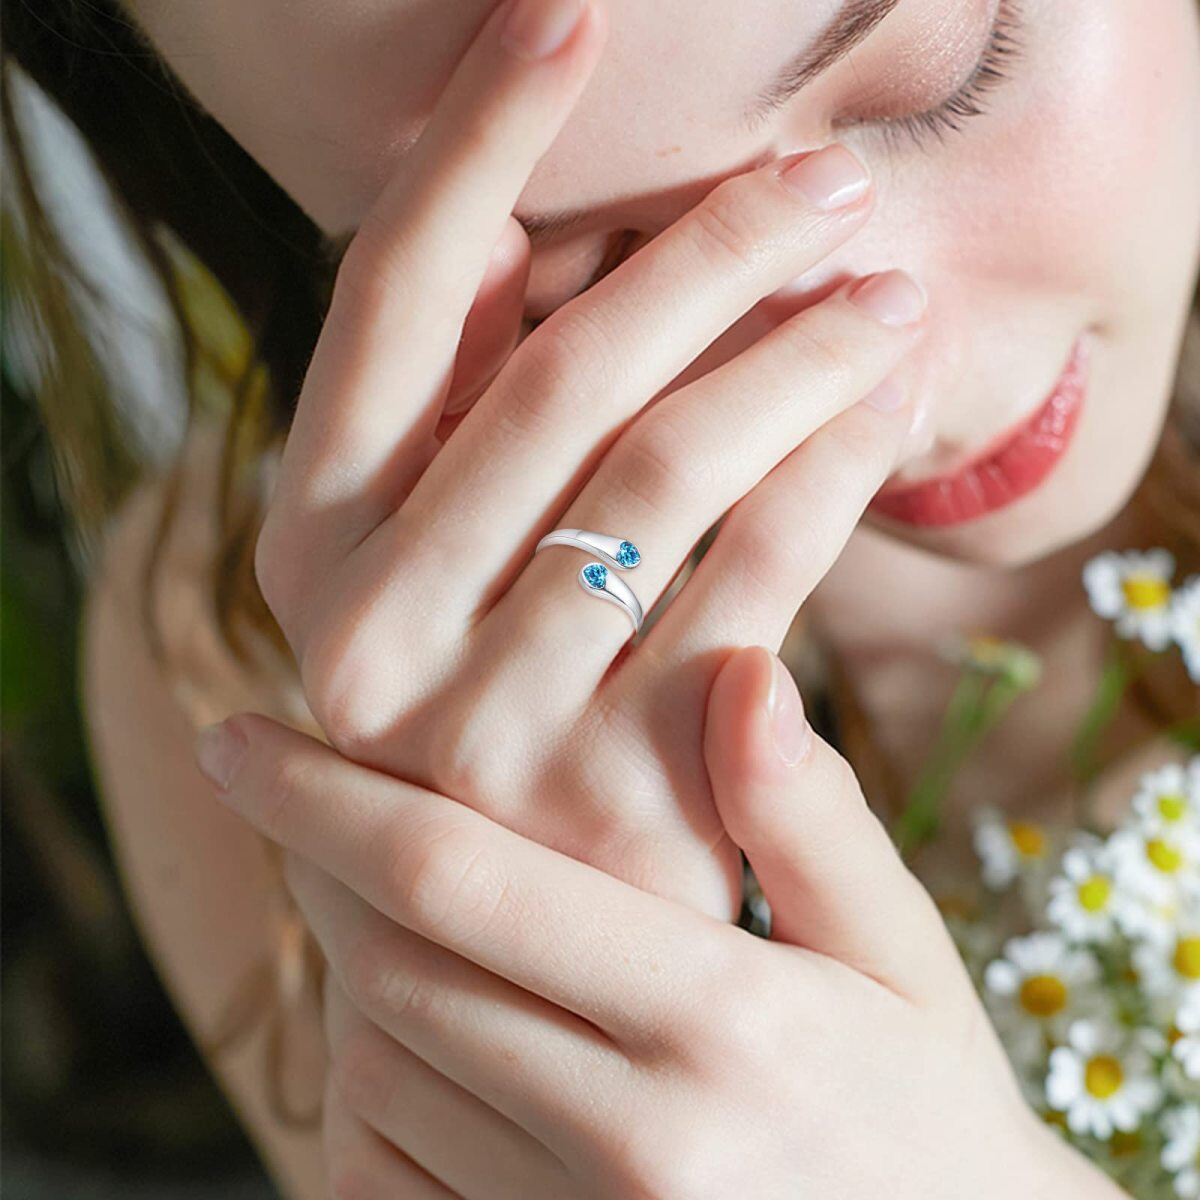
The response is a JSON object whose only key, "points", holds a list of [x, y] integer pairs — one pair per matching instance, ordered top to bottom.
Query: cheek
{"points": [[1117, 143]]}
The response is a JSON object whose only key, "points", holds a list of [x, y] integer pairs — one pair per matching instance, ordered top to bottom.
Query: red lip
{"points": [[1012, 467]]}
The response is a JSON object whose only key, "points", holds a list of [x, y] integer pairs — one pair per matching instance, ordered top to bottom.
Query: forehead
{"points": [[327, 94]]}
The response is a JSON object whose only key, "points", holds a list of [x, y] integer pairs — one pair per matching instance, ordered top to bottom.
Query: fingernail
{"points": [[535, 29], [828, 178], [893, 297], [888, 397], [789, 726], [219, 749]]}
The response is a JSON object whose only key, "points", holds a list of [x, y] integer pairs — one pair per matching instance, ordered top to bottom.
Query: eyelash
{"points": [[1002, 51]]}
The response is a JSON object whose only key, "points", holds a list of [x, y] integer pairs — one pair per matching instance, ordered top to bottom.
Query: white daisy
{"points": [[1134, 591], [1185, 624], [1168, 798], [1008, 848], [1161, 865], [1086, 902], [1169, 968], [1037, 988], [1186, 1047], [1103, 1079], [1181, 1153]]}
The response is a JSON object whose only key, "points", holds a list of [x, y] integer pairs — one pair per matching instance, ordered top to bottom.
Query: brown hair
{"points": [[171, 167]]}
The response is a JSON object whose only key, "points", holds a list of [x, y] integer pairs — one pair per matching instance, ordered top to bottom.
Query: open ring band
{"points": [[617, 552], [597, 578]]}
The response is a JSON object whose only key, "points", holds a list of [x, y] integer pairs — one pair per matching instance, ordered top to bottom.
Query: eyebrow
{"points": [[852, 25]]}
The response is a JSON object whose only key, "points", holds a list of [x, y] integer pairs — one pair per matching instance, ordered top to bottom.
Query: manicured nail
{"points": [[536, 29], [828, 178], [893, 297], [888, 397], [789, 726], [219, 748]]}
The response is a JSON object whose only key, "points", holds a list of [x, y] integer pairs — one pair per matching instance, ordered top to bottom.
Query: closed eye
{"points": [[1002, 51]]}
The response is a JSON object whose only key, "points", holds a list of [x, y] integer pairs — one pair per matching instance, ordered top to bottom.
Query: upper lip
{"points": [[958, 461]]}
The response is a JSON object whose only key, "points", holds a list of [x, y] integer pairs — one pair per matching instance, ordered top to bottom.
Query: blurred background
{"points": [[102, 1093]]}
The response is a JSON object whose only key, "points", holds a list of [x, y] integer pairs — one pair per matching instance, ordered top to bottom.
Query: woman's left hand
{"points": [[506, 1021]]}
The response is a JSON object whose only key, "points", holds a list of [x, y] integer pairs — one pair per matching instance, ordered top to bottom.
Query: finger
{"points": [[494, 322], [573, 384], [373, 392], [683, 464], [778, 543], [830, 873], [524, 912], [516, 1054], [441, 1126], [360, 1165]]}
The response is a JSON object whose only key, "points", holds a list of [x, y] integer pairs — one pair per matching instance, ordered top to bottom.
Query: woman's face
{"points": [[1056, 230]]}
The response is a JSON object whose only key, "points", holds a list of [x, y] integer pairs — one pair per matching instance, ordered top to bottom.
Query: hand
{"points": [[430, 646], [507, 1022]]}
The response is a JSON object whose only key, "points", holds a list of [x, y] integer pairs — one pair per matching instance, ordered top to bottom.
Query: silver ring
{"points": [[616, 552], [598, 578]]}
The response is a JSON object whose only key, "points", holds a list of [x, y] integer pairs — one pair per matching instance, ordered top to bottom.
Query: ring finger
{"points": [[693, 456], [516, 1052], [442, 1127]]}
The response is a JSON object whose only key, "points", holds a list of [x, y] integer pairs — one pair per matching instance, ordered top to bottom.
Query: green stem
{"points": [[1118, 673], [977, 704]]}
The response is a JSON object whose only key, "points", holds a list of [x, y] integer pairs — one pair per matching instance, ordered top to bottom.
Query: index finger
{"points": [[372, 396], [546, 922]]}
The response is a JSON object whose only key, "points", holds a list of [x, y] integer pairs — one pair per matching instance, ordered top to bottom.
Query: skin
{"points": [[329, 105], [349, 463]]}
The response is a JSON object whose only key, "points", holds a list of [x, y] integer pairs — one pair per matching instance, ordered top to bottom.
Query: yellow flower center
{"points": [[1144, 592], [1172, 807], [1028, 838], [1164, 856], [1093, 893], [1187, 957], [1043, 995], [1103, 1076]]}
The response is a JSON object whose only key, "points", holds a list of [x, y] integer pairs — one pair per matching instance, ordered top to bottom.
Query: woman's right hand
{"points": [[430, 644]]}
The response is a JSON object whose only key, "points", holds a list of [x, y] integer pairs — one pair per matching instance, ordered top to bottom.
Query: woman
{"points": [[726, 211]]}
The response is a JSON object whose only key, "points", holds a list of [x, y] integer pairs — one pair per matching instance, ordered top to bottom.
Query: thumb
{"points": [[825, 863]]}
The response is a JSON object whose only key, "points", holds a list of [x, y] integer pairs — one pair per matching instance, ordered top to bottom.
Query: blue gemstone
{"points": [[628, 555], [595, 575]]}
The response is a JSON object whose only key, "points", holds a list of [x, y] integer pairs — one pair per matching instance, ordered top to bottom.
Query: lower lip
{"points": [[1010, 469]]}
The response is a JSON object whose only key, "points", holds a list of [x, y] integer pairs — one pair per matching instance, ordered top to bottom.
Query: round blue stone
{"points": [[628, 555], [595, 575]]}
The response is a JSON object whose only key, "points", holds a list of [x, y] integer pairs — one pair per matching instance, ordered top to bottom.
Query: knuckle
{"points": [[724, 231], [372, 272], [816, 350], [569, 352], [862, 451], [660, 465], [768, 552], [279, 567], [343, 686], [461, 749], [287, 781], [447, 881], [369, 972], [711, 1004], [670, 1159]]}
